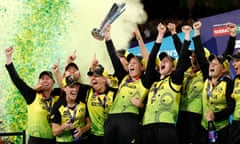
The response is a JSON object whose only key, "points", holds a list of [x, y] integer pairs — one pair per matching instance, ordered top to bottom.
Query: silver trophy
{"points": [[115, 11]]}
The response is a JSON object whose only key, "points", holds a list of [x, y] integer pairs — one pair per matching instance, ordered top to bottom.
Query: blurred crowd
{"points": [[149, 32]]}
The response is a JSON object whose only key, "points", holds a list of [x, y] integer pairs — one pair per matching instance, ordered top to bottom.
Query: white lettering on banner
{"points": [[217, 25], [220, 31], [237, 44]]}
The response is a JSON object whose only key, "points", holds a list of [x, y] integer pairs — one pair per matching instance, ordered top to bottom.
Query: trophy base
{"points": [[97, 34]]}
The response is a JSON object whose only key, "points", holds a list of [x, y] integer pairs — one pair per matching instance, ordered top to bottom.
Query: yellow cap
{"points": [[207, 52], [221, 59]]}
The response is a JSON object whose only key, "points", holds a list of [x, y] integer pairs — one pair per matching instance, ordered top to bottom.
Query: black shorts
{"points": [[122, 128]]}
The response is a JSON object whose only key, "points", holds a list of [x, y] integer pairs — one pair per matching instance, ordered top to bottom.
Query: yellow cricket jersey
{"points": [[113, 81], [128, 89], [191, 92], [236, 96], [214, 98], [163, 102], [98, 108], [78, 113], [39, 126]]}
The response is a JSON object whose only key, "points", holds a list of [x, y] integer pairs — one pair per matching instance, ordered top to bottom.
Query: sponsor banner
{"points": [[221, 30], [214, 35], [237, 45]]}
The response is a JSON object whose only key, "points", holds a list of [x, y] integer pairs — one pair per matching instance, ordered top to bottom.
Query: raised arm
{"points": [[232, 28], [176, 40], [141, 44], [71, 58], [202, 60], [94, 62], [183, 62], [119, 70], [57, 74], [151, 74], [27, 92]]}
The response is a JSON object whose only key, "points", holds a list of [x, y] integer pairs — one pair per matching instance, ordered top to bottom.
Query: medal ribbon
{"points": [[128, 81], [155, 90], [209, 90], [103, 103], [47, 106], [72, 118]]}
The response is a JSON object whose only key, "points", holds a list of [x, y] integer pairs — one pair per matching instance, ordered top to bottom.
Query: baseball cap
{"points": [[206, 52], [122, 53], [162, 55], [235, 56], [139, 58], [220, 59], [71, 65], [99, 70], [48, 73], [69, 81]]}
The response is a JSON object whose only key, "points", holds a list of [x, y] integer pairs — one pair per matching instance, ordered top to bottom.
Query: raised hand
{"points": [[197, 26], [172, 28], [232, 28], [186, 29], [107, 32], [161, 32], [137, 33], [8, 54], [72, 57], [94, 61], [56, 66], [37, 86]]}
